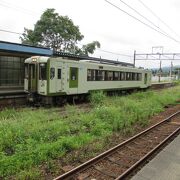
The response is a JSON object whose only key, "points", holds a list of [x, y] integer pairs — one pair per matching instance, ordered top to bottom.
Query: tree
{"points": [[58, 33], [90, 48]]}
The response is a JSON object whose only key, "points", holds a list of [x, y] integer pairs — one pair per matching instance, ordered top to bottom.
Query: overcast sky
{"points": [[98, 20]]}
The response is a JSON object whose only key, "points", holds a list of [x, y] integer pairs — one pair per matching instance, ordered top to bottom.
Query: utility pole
{"points": [[134, 58], [160, 70], [171, 70]]}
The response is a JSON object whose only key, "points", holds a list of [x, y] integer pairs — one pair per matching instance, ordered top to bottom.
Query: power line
{"points": [[17, 8], [143, 16], [158, 17], [141, 21], [12, 32], [110, 52], [114, 53]]}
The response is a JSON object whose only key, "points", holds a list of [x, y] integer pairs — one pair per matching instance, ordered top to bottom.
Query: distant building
{"points": [[12, 56]]}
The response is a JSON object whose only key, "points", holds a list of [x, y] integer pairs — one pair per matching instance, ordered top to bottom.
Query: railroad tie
{"points": [[117, 162], [103, 171]]}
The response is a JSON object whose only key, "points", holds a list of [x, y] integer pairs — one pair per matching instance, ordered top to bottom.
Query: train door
{"points": [[55, 78], [145, 78], [52, 79], [59, 79], [73, 79], [32, 84]]}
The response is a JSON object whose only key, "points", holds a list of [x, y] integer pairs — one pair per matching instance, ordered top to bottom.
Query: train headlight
{"points": [[34, 59]]}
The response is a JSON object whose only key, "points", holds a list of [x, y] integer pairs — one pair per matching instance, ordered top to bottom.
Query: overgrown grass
{"points": [[176, 82], [97, 97], [30, 137]]}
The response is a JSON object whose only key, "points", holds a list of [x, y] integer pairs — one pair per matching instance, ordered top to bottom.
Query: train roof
{"points": [[83, 58], [88, 58], [44, 59]]}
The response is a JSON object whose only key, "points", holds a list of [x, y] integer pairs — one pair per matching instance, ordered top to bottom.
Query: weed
{"points": [[97, 98], [29, 138], [31, 174]]}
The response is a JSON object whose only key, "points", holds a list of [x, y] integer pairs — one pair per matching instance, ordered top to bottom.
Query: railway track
{"points": [[12, 101], [120, 161]]}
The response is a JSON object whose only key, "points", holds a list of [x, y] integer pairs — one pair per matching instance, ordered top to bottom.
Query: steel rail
{"points": [[12, 96], [144, 158], [87, 164]]}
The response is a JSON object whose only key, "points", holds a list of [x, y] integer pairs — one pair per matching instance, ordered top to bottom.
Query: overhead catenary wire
{"points": [[17, 8], [155, 15], [143, 16], [142, 21], [12, 32], [98, 49], [110, 52]]}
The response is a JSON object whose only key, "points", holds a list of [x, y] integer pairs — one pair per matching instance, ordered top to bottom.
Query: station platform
{"points": [[156, 83], [159, 85], [11, 90], [165, 166]]}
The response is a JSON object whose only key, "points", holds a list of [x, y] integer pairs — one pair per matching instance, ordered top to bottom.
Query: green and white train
{"points": [[52, 80]]}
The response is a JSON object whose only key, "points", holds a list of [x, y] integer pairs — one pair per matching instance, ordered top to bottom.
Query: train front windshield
{"points": [[30, 70]]}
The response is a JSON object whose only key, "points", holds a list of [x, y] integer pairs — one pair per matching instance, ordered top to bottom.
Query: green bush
{"points": [[176, 83], [97, 98]]}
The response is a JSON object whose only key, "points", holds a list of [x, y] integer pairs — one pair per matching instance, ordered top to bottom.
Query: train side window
{"points": [[52, 73], [59, 74], [89, 75], [92, 75], [96, 75], [99, 75], [102, 75], [110, 75], [106, 76], [115, 76], [119, 76], [122, 76], [128, 76], [133, 76], [139, 76], [145, 78]]}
